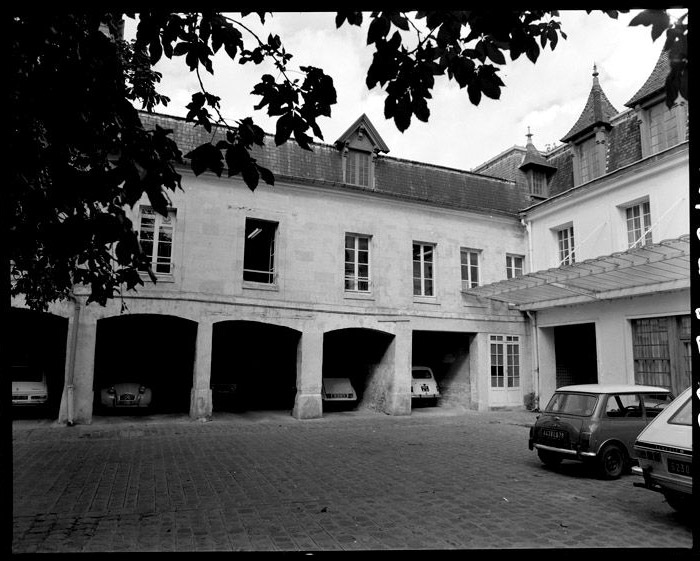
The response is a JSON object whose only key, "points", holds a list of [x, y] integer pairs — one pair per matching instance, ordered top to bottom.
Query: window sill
{"points": [[160, 277], [252, 285], [358, 296], [426, 300]]}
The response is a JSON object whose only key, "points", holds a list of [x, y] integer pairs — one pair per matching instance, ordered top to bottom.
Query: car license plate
{"points": [[553, 434], [681, 468]]}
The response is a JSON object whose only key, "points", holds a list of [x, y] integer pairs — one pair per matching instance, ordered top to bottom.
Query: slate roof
{"points": [[655, 83], [597, 111], [533, 158], [394, 177]]}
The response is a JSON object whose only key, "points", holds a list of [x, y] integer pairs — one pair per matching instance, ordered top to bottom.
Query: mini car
{"points": [[423, 383], [28, 386], [337, 389], [127, 395], [597, 424], [665, 453]]}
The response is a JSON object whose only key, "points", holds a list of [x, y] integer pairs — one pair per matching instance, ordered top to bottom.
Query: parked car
{"points": [[423, 384], [28, 386], [337, 389], [127, 395], [597, 424], [665, 452]]}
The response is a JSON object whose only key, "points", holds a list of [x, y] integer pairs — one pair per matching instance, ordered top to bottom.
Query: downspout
{"points": [[536, 355], [70, 403]]}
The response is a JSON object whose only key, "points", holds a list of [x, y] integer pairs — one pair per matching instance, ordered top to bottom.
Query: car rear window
{"points": [[422, 374], [572, 404], [683, 416]]}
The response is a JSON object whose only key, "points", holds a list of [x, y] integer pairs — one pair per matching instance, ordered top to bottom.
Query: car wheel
{"points": [[548, 458], [611, 461], [678, 502]]}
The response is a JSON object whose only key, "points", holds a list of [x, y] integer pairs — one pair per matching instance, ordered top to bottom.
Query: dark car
{"points": [[126, 395], [597, 424]]}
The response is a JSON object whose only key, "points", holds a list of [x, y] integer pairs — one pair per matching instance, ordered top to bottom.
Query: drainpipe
{"points": [[528, 229], [536, 355], [70, 404]]}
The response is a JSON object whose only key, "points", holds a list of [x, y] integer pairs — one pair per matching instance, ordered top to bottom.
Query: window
{"points": [[663, 127], [590, 164], [357, 168], [538, 183], [638, 225], [156, 238], [565, 239], [259, 255], [423, 255], [357, 263], [514, 266], [470, 268], [505, 361], [623, 405]]}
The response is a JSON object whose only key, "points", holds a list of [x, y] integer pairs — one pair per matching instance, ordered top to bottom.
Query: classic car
{"points": [[423, 384], [28, 386], [337, 389], [127, 395]]}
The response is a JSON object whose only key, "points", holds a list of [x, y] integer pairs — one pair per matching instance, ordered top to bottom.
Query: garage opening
{"points": [[149, 352], [575, 352], [446, 353], [36, 354], [355, 354], [253, 366]]}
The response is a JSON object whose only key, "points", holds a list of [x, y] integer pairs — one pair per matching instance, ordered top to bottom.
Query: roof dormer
{"points": [[359, 146], [536, 169]]}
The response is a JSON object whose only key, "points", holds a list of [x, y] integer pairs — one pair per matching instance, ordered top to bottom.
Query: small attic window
{"points": [[358, 168], [538, 183]]}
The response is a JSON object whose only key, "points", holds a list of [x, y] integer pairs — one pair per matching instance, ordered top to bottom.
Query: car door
{"points": [[622, 419]]}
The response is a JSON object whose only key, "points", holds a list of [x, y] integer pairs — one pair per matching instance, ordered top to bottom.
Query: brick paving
{"points": [[352, 481]]}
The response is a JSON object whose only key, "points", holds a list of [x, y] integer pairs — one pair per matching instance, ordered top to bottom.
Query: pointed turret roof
{"points": [[656, 82], [597, 111], [364, 123], [532, 157]]}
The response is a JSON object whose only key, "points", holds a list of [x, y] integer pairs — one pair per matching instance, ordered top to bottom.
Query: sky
{"points": [[547, 96]]}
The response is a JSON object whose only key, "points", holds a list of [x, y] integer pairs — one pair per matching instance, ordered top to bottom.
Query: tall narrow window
{"points": [[663, 127], [590, 164], [357, 169], [538, 183], [638, 225], [156, 238], [565, 239], [259, 255], [423, 256], [357, 263], [514, 266], [470, 268], [505, 361]]}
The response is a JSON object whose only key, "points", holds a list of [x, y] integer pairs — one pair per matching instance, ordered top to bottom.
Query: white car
{"points": [[423, 384], [28, 386], [337, 389], [126, 395], [665, 453]]}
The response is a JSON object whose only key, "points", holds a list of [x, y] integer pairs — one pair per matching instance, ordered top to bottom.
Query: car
{"points": [[423, 384], [28, 386], [337, 389], [126, 395], [596, 424], [665, 452]]}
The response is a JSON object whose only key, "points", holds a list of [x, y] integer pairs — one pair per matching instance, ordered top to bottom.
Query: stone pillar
{"points": [[400, 353], [480, 369], [78, 393], [200, 397], [307, 403]]}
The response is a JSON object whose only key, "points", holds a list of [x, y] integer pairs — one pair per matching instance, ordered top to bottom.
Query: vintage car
{"points": [[423, 384], [28, 386], [337, 389], [126, 395], [597, 424], [665, 453]]}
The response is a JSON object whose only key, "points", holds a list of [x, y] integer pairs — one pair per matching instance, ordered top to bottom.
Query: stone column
{"points": [[399, 355], [480, 369], [78, 394], [200, 397], [307, 403]]}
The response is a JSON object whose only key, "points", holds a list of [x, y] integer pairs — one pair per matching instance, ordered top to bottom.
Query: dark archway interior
{"points": [[38, 340], [154, 350], [443, 352], [576, 357], [253, 366]]}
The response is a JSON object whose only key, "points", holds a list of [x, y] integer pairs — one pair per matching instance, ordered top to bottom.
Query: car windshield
{"points": [[26, 374], [422, 374], [572, 404], [684, 415]]}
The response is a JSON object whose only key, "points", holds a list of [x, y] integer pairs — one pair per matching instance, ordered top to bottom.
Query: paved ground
{"points": [[438, 479]]}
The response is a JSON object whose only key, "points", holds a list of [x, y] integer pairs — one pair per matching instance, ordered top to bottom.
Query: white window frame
{"points": [[354, 172], [638, 224], [161, 225], [253, 228], [566, 246], [469, 267], [426, 269], [513, 271], [354, 279], [504, 358]]}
